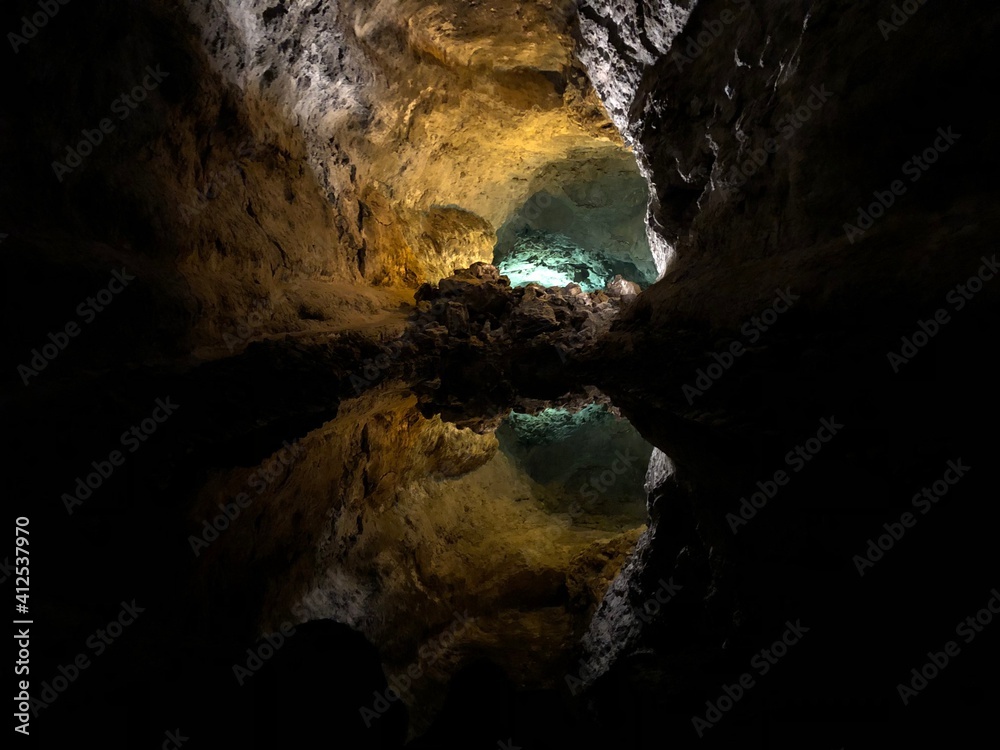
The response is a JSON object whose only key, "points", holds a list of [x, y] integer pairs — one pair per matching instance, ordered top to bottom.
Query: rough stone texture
{"points": [[620, 41], [408, 107], [292, 151], [207, 196], [599, 205], [259, 217], [740, 240], [515, 346]]}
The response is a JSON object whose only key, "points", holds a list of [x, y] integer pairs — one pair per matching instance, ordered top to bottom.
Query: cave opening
{"points": [[583, 222]]}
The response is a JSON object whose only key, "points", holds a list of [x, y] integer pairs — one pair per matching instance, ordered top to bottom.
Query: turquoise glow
{"points": [[551, 259], [522, 274], [555, 425]]}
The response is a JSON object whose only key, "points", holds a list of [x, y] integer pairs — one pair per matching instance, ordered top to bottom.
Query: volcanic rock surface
{"points": [[310, 195]]}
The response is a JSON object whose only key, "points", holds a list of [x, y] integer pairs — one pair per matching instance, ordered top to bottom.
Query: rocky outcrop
{"points": [[620, 41], [767, 154], [489, 347]]}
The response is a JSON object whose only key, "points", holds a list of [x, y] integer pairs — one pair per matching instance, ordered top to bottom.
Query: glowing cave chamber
{"points": [[584, 224], [552, 259]]}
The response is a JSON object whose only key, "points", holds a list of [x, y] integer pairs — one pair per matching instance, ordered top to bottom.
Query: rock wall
{"points": [[411, 108], [769, 131], [286, 144]]}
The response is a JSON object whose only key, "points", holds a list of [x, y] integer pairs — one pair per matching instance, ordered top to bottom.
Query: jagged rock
{"points": [[484, 271], [621, 287], [427, 293], [534, 316], [457, 318]]}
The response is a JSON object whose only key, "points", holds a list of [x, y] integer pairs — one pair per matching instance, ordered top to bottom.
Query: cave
{"points": [[583, 223], [501, 374]]}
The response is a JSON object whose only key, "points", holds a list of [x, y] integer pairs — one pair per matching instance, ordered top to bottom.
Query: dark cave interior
{"points": [[513, 374]]}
